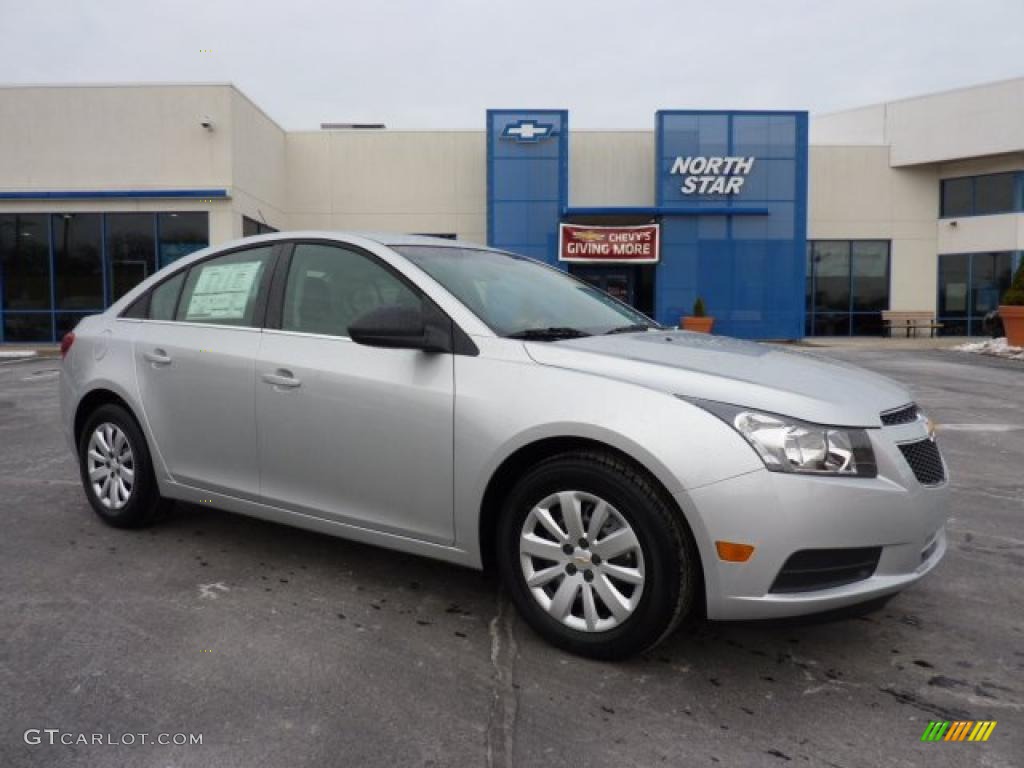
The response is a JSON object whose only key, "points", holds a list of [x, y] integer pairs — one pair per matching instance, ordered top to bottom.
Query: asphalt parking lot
{"points": [[288, 648]]}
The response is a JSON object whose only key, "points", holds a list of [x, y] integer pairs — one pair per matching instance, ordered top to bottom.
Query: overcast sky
{"points": [[441, 63]]}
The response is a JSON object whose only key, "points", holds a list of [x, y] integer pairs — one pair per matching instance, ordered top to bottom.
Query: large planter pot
{"points": [[1013, 322], [698, 324]]}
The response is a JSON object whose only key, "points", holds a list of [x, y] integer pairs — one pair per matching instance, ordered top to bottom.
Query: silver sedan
{"points": [[476, 406]]}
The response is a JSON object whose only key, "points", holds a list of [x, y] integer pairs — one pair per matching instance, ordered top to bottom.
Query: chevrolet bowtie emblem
{"points": [[528, 131]]}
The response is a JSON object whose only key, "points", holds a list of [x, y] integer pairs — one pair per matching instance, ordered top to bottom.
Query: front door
{"points": [[619, 281], [361, 435]]}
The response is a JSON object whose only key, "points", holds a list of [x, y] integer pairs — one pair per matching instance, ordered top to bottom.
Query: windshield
{"points": [[515, 296]]}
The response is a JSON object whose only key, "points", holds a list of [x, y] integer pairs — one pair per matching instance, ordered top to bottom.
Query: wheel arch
{"points": [[94, 399], [516, 463]]}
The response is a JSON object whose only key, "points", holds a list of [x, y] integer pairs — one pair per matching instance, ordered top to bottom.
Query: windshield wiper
{"points": [[635, 328], [548, 334]]}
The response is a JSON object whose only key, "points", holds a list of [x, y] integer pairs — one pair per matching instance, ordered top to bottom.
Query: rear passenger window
{"points": [[330, 287], [224, 290], [164, 297]]}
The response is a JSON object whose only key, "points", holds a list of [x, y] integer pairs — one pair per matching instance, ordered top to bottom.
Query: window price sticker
{"points": [[223, 291]]}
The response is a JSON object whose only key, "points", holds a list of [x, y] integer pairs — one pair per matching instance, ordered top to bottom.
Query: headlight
{"points": [[790, 445]]}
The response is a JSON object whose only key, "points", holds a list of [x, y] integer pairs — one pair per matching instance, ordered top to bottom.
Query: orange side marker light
{"points": [[732, 552]]}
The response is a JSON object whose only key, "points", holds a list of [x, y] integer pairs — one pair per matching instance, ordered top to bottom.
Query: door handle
{"points": [[157, 357], [281, 378]]}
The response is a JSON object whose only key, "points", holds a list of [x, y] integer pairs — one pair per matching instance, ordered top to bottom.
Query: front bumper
{"points": [[781, 514]]}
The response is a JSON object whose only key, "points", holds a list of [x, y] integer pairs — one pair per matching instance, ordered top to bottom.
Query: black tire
{"points": [[144, 503], [671, 562]]}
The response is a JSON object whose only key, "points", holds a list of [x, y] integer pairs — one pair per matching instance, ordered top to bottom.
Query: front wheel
{"points": [[594, 557]]}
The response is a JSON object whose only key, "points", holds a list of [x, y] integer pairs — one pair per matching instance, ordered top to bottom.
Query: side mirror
{"points": [[400, 327]]}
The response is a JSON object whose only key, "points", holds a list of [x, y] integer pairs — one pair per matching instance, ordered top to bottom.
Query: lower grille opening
{"points": [[925, 461], [813, 569]]}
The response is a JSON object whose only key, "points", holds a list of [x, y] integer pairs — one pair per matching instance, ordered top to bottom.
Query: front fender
{"points": [[683, 446]]}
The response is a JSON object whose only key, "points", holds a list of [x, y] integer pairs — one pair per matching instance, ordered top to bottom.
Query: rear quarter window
{"points": [[164, 298]]}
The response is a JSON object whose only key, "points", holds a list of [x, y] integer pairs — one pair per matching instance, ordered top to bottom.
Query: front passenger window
{"points": [[329, 288], [223, 290]]}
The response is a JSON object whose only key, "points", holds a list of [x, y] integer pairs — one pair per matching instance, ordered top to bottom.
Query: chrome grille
{"points": [[904, 415], [925, 461]]}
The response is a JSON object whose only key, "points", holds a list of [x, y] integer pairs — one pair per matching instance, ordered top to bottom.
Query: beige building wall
{"points": [[980, 121], [967, 122], [852, 127], [113, 137], [127, 137], [138, 137], [258, 165], [611, 168], [875, 172], [397, 181], [855, 195]]}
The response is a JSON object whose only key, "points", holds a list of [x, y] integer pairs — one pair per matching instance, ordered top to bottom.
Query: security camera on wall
{"points": [[207, 122]]}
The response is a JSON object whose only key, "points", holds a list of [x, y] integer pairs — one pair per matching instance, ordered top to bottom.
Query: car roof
{"points": [[383, 238], [397, 238]]}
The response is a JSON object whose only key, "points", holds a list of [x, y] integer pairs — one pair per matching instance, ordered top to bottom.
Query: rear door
{"points": [[195, 360], [357, 434]]}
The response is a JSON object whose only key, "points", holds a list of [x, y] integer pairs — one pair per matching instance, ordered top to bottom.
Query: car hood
{"points": [[765, 377]]}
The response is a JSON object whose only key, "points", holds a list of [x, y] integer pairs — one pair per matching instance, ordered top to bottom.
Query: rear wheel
{"points": [[116, 469], [594, 557]]}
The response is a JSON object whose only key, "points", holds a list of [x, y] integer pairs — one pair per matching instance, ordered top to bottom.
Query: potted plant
{"points": [[1011, 310], [699, 320]]}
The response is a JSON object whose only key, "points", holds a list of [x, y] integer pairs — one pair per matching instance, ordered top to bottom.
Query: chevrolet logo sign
{"points": [[528, 131], [588, 236]]}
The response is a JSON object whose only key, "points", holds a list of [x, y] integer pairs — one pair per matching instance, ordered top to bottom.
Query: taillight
{"points": [[65, 343]]}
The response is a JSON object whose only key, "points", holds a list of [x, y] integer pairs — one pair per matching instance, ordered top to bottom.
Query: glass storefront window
{"points": [[995, 193], [981, 195], [958, 197], [252, 227], [181, 234], [131, 251], [25, 261], [77, 261], [56, 268], [869, 268], [954, 273], [831, 275], [990, 277], [971, 285], [847, 287], [28, 326]]}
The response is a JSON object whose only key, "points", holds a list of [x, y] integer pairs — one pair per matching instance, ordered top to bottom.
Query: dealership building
{"points": [[786, 226]]}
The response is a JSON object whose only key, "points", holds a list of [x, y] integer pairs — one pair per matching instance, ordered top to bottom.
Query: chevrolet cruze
{"points": [[479, 407]]}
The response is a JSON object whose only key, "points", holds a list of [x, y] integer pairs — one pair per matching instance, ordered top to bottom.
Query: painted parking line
{"points": [[979, 427]]}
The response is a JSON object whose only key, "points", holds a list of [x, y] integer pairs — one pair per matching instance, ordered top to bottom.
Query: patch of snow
{"points": [[997, 347], [15, 353]]}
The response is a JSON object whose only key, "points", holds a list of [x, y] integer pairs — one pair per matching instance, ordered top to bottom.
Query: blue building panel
{"points": [[527, 179], [731, 197], [750, 270]]}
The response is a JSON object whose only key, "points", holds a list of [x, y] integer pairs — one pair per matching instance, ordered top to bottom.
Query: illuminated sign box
{"points": [[581, 243]]}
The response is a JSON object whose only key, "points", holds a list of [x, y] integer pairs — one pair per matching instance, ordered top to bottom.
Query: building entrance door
{"points": [[618, 281]]}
